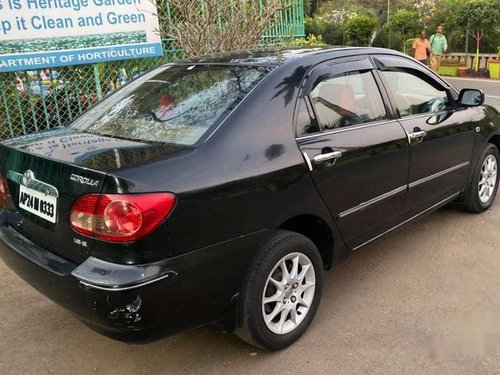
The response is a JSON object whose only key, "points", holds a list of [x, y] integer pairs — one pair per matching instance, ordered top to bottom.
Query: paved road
{"points": [[490, 88], [422, 301]]}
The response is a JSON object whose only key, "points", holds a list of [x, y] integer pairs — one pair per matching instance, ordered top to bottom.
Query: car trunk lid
{"points": [[46, 172]]}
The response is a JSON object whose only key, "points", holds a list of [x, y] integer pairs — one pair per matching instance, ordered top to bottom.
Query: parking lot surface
{"points": [[422, 301]]}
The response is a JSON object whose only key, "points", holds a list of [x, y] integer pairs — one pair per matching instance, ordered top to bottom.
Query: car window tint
{"points": [[413, 95], [347, 99], [176, 105], [306, 123]]}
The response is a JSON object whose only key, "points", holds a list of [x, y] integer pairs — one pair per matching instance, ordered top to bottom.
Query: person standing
{"points": [[439, 45], [421, 48]]}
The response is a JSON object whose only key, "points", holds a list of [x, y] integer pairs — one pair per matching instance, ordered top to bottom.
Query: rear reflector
{"points": [[120, 217]]}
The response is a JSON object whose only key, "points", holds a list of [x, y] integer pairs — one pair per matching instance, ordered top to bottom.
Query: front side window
{"points": [[413, 95], [347, 99], [176, 105]]}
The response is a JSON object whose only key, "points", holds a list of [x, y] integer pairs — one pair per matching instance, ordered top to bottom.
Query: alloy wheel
{"points": [[488, 179], [288, 293]]}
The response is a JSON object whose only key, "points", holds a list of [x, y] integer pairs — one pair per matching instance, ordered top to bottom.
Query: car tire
{"points": [[482, 189], [292, 297]]}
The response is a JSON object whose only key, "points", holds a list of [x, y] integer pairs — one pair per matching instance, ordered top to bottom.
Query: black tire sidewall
{"points": [[475, 203], [270, 255]]}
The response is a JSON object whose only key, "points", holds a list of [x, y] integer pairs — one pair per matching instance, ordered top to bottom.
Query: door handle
{"points": [[417, 136], [321, 158]]}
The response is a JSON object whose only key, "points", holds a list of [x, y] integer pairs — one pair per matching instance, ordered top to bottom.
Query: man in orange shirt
{"points": [[420, 48]]}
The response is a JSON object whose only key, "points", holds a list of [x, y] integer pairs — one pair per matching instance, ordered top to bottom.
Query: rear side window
{"points": [[347, 99], [176, 105], [306, 123]]}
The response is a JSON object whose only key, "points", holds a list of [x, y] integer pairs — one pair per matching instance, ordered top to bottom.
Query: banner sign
{"points": [[38, 34]]}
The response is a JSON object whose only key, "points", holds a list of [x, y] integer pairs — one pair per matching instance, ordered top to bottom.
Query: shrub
{"points": [[405, 23], [202, 27], [359, 30], [330, 31], [310, 41], [408, 47]]}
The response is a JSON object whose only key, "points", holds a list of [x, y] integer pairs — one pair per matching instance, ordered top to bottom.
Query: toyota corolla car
{"points": [[217, 191]]}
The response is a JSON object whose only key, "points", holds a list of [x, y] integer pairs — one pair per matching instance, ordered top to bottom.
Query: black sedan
{"points": [[217, 191]]}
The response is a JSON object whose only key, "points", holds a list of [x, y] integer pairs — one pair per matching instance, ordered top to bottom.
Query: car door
{"points": [[440, 134], [356, 151]]}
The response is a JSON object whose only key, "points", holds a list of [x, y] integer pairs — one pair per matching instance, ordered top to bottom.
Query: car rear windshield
{"points": [[174, 104]]}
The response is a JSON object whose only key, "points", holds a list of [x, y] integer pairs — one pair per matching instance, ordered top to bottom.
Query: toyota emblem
{"points": [[28, 177]]}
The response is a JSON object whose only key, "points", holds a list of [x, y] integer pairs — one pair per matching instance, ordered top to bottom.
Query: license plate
{"points": [[38, 203]]}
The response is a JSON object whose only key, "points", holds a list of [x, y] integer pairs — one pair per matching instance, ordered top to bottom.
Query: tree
{"points": [[310, 7], [424, 9], [446, 14], [479, 17], [406, 23], [202, 27], [359, 30]]}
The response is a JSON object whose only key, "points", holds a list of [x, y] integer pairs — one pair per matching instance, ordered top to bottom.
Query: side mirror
{"points": [[471, 97], [439, 117]]}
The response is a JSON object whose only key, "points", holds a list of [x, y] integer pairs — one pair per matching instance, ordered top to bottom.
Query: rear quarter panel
{"points": [[247, 177]]}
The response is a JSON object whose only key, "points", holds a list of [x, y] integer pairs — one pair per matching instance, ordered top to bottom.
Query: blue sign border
{"points": [[52, 59]]}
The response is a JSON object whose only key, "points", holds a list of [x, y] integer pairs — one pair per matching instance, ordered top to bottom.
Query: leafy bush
{"points": [[405, 23], [315, 25], [320, 26], [359, 30], [310, 41], [409, 45]]}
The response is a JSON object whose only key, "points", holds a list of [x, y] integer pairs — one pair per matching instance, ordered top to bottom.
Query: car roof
{"points": [[280, 56], [298, 58]]}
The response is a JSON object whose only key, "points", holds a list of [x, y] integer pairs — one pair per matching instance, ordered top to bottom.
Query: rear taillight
{"points": [[120, 217]]}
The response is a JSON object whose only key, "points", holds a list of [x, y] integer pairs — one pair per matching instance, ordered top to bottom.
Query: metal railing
{"points": [[37, 100]]}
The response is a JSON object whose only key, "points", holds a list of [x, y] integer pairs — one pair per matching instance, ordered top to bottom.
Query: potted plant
{"points": [[494, 66], [452, 68], [463, 71]]}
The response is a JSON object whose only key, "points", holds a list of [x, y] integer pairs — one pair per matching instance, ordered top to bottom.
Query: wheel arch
{"points": [[495, 139], [317, 230]]}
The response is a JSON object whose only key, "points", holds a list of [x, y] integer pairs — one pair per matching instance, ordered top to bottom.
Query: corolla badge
{"points": [[28, 177], [83, 180]]}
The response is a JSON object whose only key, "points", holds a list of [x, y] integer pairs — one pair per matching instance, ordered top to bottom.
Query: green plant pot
{"points": [[495, 69], [449, 70]]}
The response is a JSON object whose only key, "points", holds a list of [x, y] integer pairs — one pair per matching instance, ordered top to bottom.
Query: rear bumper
{"points": [[136, 303]]}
